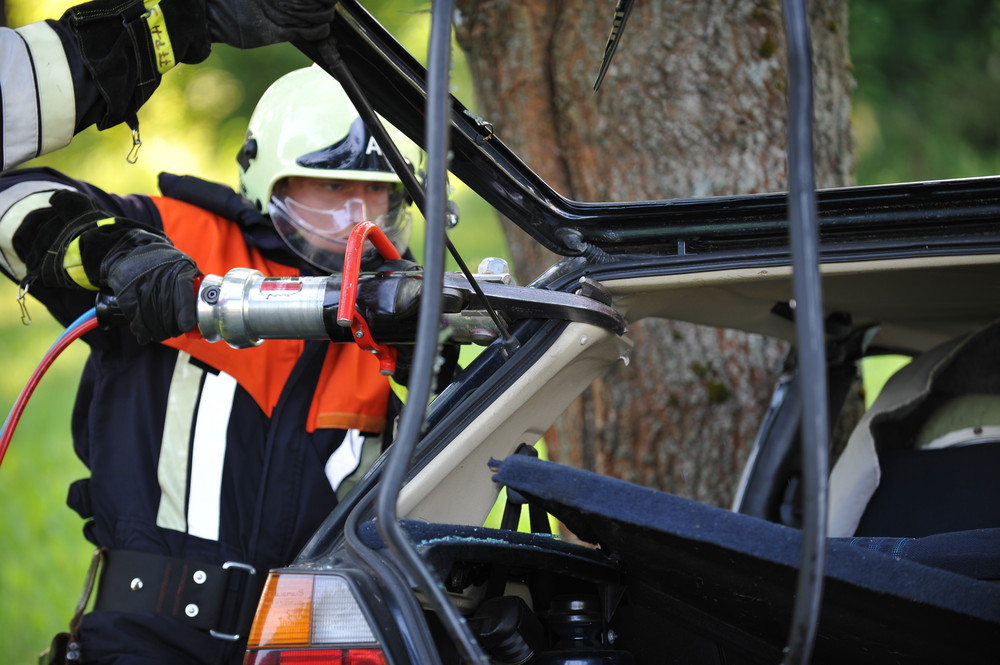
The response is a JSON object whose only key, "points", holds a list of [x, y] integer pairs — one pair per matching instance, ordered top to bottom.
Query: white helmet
{"points": [[305, 126]]}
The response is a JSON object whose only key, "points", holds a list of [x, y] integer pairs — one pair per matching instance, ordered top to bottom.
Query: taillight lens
{"points": [[312, 619], [316, 657]]}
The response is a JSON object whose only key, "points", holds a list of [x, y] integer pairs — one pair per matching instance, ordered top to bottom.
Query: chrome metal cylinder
{"points": [[244, 307]]}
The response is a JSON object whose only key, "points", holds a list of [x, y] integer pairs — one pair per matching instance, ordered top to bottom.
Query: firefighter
{"points": [[102, 60], [208, 465]]}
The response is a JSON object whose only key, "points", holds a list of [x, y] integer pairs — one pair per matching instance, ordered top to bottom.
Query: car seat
{"points": [[923, 460]]}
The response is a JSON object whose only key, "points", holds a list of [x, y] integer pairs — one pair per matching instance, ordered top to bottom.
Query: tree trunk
{"points": [[693, 105]]}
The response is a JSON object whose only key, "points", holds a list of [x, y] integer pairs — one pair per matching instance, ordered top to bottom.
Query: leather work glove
{"points": [[253, 23], [128, 45], [73, 244], [388, 304], [397, 308]]}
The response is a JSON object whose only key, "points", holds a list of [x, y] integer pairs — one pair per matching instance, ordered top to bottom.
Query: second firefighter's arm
{"points": [[101, 61], [62, 242]]}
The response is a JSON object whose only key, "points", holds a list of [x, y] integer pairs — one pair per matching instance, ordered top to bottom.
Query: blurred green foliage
{"points": [[927, 88]]}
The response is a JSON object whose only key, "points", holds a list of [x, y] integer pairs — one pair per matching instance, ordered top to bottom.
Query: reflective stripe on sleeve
{"points": [[55, 93], [19, 98], [16, 203]]}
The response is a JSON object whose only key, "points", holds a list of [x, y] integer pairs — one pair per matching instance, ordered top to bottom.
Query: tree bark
{"points": [[693, 105]]}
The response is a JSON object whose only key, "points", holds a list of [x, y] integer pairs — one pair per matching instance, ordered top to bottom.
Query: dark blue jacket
{"points": [[199, 451]]}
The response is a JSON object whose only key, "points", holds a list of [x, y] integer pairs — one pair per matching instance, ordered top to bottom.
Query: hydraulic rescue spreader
{"points": [[376, 310]]}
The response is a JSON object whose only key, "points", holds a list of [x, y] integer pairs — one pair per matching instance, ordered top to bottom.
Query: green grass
{"points": [[45, 556]]}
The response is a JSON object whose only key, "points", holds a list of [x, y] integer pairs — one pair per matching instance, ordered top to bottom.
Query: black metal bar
{"points": [[810, 336], [426, 344]]}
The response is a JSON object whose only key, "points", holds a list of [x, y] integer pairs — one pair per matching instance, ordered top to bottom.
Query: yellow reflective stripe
{"points": [[161, 40], [73, 262], [73, 265], [398, 389]]}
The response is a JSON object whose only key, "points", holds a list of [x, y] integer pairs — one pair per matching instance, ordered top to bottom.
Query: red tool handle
{"points": [[352, 266], [347, 313]]}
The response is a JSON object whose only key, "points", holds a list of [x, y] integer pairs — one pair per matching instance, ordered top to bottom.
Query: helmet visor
{"points": [[319, 235]]}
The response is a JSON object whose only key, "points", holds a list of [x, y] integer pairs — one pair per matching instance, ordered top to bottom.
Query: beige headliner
{"points": [[919, 302]]}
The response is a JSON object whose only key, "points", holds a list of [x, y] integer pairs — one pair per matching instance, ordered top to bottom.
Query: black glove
{"points": [[253, 23], [122, 45], [126, 47], [153, 281], [154, 284], [392, 304]]}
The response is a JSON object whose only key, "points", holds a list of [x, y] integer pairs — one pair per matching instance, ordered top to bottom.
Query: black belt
{"points": [[219, 599]]}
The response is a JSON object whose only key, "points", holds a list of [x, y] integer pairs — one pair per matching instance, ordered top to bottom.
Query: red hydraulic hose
{"points": [[22, 400]]}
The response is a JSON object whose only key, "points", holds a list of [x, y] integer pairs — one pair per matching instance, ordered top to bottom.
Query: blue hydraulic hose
{"points": [[83, 318]]}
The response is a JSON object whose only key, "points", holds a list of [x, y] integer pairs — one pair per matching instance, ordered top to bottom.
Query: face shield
{"points": [[315, 216]]}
